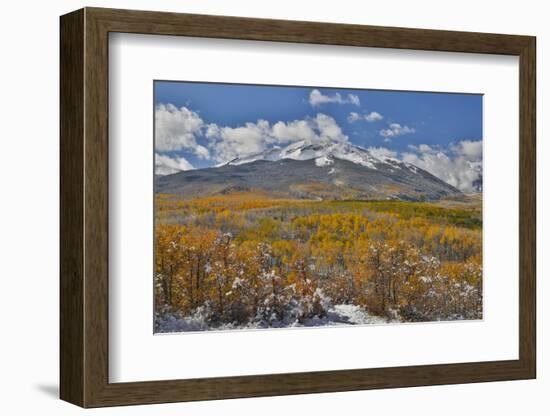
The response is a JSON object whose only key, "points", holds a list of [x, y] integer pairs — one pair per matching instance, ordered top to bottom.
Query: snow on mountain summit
{"points": [[323, 152], [313, 170]]}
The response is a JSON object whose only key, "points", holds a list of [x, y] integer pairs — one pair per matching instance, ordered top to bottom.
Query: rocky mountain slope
{"points": [[312, 171]]}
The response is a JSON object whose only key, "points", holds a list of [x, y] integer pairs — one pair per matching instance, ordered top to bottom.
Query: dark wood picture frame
{"points": [[84, 207]]}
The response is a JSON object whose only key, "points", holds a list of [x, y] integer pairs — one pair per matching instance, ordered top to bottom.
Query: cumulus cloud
{"points": [[317, 98], [354, 99], [373, 116], [353, 117], [370, 117], [320, 127], [177, 129], [180, 129], [328, 129], [395, 130], [212, 131], [292, 131], [227, 143], [423, 148], [469, 149], [202, 152], [382, 153], [166, 165], [460, 166]]}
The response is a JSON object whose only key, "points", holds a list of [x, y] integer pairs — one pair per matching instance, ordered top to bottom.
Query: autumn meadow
{"points": [[250, 261]]}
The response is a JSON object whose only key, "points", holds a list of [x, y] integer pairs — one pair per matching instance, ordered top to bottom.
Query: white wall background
{"points": [[29, 159]]}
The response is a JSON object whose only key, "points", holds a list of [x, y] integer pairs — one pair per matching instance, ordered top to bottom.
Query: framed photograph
{"points": [[255, 207]]}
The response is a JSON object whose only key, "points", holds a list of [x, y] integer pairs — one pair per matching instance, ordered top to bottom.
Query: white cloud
{"points": [[317, 98], [354, 99], [373, 116], [353, 117], [370, 117], [328, 128], [177, 129], [395, 130], [212, 131], [293, 131], [230, 142], [226, 143], [422, 148], [469, 149], [202, 152], [382, 153], [166, 165], [461, 167]]}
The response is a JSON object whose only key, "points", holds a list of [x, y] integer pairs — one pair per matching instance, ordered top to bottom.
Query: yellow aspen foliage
{"points": [[250, 257]]}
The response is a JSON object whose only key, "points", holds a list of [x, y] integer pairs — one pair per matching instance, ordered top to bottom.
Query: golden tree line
{"points": [[250, 266]]}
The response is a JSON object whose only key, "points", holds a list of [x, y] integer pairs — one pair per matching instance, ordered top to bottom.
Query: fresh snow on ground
{"points": [[337, 315], [352, 315]]}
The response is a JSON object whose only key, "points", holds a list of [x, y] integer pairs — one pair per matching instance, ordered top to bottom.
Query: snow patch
{"points": [[322, 151], [324, 161], [336, 315]]}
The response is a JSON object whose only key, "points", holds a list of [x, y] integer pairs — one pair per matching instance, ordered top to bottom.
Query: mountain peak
{"points": [[323, 151]]}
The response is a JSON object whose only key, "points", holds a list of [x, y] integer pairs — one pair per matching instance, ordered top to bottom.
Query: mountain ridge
{"points": [[308, 149], [312, 171]]}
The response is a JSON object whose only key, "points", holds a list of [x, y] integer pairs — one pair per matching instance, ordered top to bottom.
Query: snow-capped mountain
{"points": [[323, 153], [326, 170]]}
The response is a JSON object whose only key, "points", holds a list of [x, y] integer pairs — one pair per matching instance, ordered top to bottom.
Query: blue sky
{"points": [[200, 124]]}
